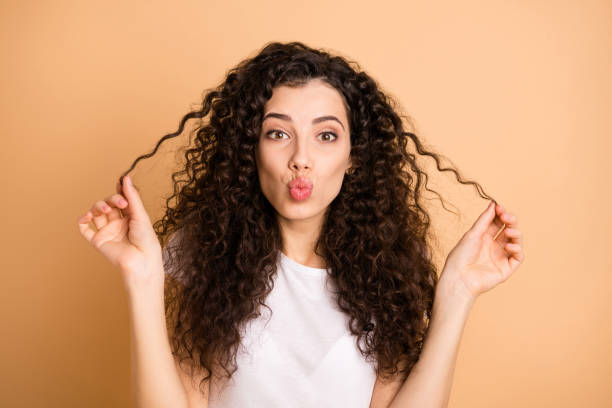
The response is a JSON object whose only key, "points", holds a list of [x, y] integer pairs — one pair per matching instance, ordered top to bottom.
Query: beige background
{"points": [[517, 94]]}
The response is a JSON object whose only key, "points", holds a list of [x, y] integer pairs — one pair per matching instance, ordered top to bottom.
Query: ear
{"points": [[349, 168]]}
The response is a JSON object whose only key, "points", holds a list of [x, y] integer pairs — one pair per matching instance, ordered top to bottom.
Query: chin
{"points": [[297, 211], [296, 214]]}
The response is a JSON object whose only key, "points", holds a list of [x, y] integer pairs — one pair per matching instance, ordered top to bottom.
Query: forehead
{"points": [[314, 98]]}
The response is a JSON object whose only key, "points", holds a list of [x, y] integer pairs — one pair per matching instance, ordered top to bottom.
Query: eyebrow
{"points": [[314, 121]]}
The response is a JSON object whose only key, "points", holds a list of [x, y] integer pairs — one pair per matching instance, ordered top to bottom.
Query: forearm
{"points": [[155, 380], [429, 382]]}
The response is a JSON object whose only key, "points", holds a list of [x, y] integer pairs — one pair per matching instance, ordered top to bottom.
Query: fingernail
{"points": [[129, 180]]}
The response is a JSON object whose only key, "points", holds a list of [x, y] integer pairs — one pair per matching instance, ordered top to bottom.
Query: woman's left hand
{"points": [[477, 263]]}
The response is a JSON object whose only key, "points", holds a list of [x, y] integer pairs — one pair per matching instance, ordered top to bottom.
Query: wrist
{"points": [[151, 289], [454, 294]]}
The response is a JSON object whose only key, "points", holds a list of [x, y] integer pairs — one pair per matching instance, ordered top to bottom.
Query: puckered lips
{"points": [[300, 182], [300, 188]]}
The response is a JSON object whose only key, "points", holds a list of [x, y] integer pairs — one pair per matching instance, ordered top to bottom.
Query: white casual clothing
{"points": [[301, 355]]}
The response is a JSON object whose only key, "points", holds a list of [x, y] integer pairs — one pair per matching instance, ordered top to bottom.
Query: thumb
{"points": [[135, 208], [485, 219]]}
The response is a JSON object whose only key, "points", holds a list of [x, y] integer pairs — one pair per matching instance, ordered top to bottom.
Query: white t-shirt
{"points": [[301, 355]]}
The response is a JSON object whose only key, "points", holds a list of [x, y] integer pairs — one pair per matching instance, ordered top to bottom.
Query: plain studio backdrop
{"points": [[518, 94]]}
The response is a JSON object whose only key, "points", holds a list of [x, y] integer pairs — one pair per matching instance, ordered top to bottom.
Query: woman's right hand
{"points": [[129, 241]]}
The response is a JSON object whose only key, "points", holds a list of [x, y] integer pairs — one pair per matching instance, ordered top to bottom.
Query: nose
{"points": [[300, 160]]}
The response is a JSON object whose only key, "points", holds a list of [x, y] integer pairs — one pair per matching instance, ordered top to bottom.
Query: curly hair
{"points": [[374, 236]]}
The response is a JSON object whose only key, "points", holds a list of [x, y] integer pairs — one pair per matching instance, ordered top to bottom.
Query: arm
{"points": [[479, 262], [155, 379], [429, 382], [191, 383]]}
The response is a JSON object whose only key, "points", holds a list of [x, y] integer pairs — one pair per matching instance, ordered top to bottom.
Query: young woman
{"points": [[297, 270]]}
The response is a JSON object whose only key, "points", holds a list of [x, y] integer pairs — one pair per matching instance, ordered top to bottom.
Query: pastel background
{"points": [[517, 94]]}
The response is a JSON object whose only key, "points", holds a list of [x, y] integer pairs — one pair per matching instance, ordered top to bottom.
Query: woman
{"points": [[302, 199]]}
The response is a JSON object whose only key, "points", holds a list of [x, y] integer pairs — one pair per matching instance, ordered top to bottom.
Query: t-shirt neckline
{"points": [[300, 267]]}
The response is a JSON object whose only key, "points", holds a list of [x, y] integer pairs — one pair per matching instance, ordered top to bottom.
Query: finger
{"points": [[116, 200], [117, 203], [135, 208], [99, 211], [499, 211], [505, 217], [509, 219], [484, 220], [502, 221], [497, 226], [84, 227], [514, 234], [512, 247], [517, 255]]}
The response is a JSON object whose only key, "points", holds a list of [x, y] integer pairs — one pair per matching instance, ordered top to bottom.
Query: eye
{"points": [[274, 131], [330, 133]]}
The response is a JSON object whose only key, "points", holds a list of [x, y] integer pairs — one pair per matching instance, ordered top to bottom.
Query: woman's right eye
{"points": [[274, 131]]}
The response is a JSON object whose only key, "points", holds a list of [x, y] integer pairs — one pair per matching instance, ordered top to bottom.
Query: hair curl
{"points": [[374, 237]]}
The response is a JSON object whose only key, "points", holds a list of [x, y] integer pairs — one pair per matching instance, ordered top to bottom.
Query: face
{"points": [[294, 141]]}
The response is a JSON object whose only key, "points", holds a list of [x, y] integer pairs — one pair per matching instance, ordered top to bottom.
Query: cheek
{"points": [[267, 166], [335, 167], [268, 171], [332, 179], [337, 181]]}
